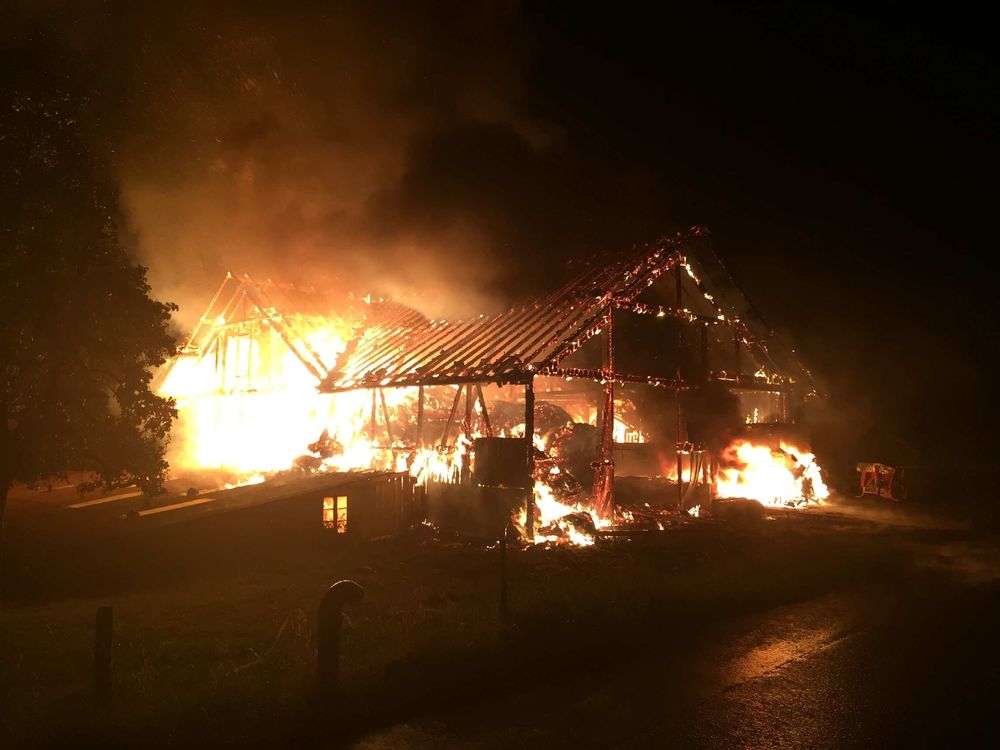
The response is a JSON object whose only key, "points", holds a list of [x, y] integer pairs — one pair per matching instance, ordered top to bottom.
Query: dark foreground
{"points": [[804, 629], [904, 666]]}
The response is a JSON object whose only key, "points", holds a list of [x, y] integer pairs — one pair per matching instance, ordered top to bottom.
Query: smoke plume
{"points": [[355, 145]]}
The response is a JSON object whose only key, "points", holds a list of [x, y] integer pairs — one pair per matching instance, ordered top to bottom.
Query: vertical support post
{"points": [[677, 283], [250, 345], [679, 345], [736, 350], [264, 353], [224, 354], [236, 364], [705, 369], [220, 381], [486, 414], [385, 416], [420, 416], [451, 416], [371, 422], [467, 426], [467, 431], [680, 454], [529, 467], [707, 478], [604, 485], [103, 655]]}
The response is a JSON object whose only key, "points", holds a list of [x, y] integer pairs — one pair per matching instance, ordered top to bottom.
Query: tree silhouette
{"points": [[79, 332]]}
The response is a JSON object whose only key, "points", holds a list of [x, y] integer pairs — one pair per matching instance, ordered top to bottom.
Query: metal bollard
{"points": [[330, 608], [102, 655]]}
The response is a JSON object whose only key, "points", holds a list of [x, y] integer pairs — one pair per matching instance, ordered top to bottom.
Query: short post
{"points": [[504, 610], [330, 616], [102, 655]]}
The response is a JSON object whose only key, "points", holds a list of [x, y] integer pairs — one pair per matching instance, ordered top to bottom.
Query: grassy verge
{"points": [[231, 656]]}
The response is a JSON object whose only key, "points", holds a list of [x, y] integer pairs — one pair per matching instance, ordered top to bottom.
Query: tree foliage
{"points": [[79, 332]]}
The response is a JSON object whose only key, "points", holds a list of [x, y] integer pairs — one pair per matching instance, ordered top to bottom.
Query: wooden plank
{"points": [[103, 500], [176, 506]]}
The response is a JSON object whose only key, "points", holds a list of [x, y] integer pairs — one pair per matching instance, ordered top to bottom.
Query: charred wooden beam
{"points": [[678, 286], [671, 312], [737, 346], [706, 371], [486, 414], [385, 415], [420, 416], [451, 417], [529, 435], [680, 457], [466, 475], [604, 484]]}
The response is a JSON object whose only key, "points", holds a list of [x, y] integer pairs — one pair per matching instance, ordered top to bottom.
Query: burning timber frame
{"points": [[281, 308], [401, 348]]}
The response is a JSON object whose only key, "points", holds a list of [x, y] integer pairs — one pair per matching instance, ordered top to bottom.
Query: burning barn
{"points": [[645, 384]]}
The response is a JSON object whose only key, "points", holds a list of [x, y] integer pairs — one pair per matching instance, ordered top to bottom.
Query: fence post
{"points": [[504, 608], [330, 609], [103, 655]]}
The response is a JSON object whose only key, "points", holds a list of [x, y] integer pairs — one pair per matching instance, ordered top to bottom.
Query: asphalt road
{"points": [[909, 662]]}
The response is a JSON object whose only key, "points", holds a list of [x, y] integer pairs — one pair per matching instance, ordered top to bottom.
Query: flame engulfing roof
{"points": [[400, 347]]}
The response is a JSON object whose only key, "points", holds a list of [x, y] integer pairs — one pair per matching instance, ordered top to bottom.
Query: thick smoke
{"points": [[340, 145]]}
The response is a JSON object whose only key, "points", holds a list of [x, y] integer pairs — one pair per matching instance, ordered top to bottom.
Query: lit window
{"points": [[335, 513], [342, 514]]}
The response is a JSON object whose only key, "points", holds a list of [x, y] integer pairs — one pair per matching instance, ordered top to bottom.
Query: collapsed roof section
{"points": [[678, 279], [244, 307]]}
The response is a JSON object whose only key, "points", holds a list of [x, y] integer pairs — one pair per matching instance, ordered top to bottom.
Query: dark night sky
{"points": [[844, 160], [846, 165]]}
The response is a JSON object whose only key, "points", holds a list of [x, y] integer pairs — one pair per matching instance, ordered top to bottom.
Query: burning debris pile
{"points": [[608, 375]]}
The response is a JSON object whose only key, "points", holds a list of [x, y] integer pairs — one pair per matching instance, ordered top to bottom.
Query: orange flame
{"points": [[787, 476]]}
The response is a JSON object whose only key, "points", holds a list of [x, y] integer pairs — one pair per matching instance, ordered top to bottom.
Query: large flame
{"points": [[252, 405], [253, 408], [786, 476], [554, 519]]}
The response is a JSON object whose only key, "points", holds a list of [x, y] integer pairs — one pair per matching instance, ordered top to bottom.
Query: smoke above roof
{"points": [[370, 145]]}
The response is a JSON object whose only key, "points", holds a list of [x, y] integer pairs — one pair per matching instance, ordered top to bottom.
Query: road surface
{"points": [[902, 663]]}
